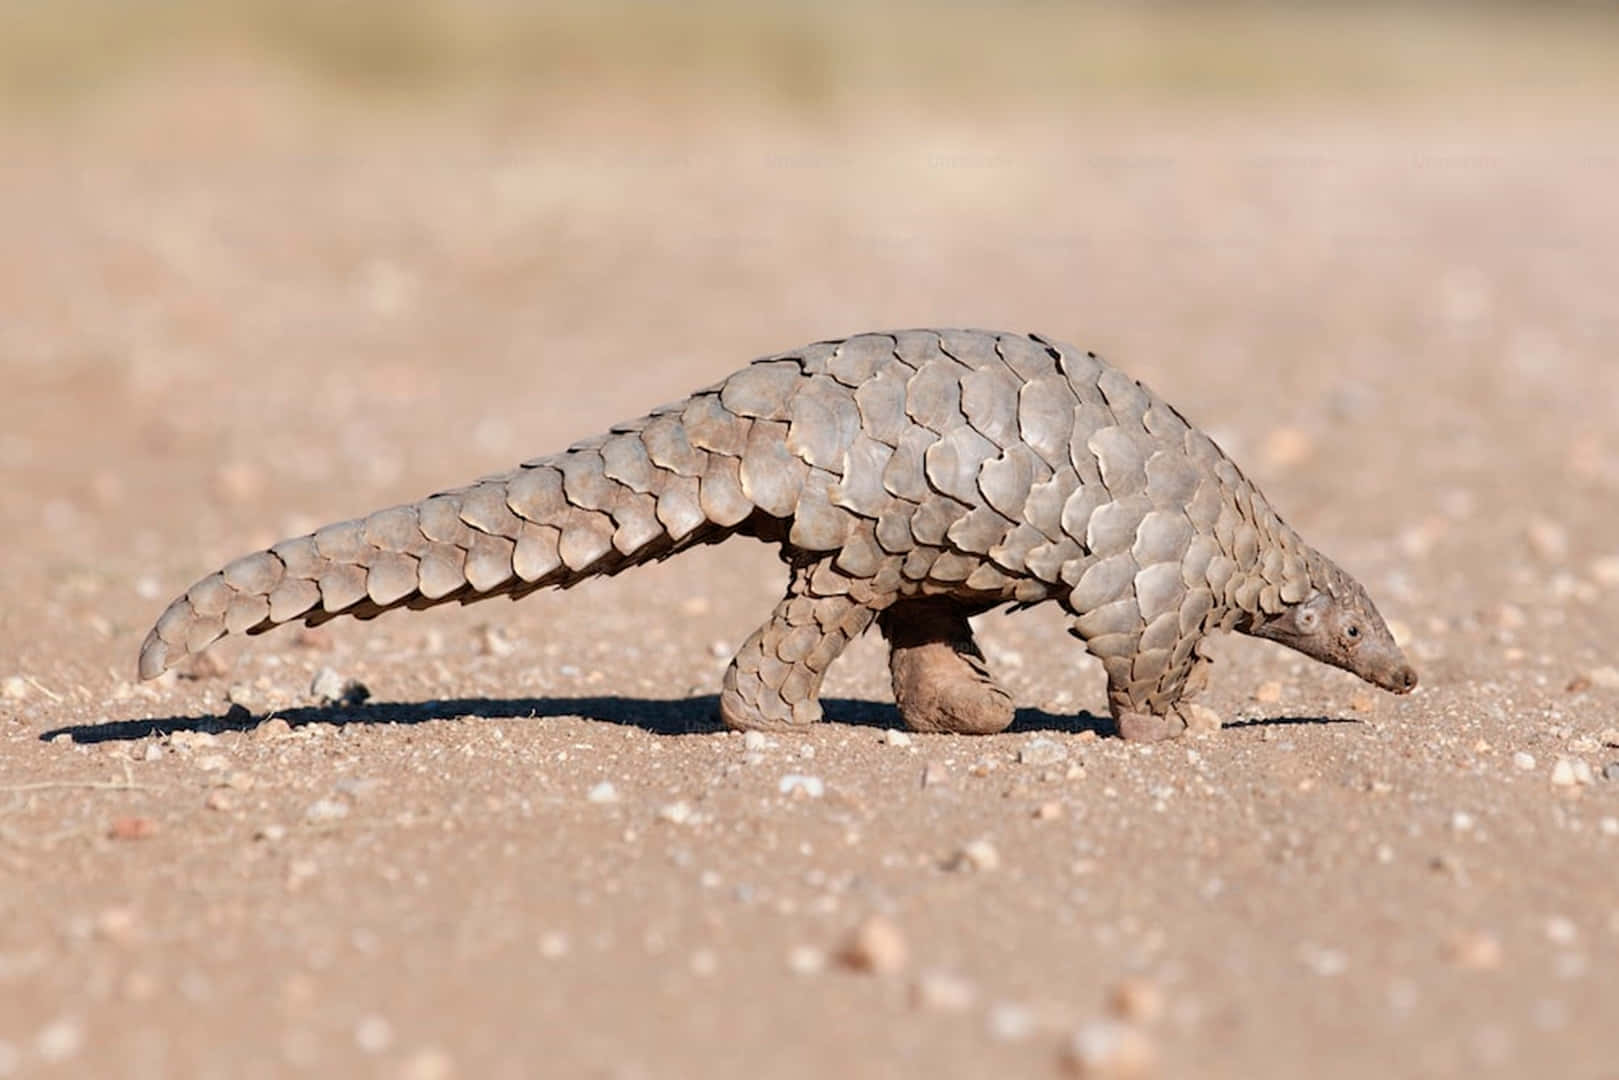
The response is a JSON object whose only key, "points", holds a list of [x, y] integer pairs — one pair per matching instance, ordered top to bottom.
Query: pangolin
{"points": [[912, 479]]}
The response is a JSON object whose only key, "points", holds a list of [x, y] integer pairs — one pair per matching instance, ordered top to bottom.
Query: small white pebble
{"points": [[1548, 539], [1605, 571], [492, 641], [1605, 677], [329, 687], [896, 738], [755, 740], [1042, 751], [1523, 761], [1563, 773], [803, 786], [603, 792], [324, 810], [675, 813], [1461, 821], [1609, 826], [978, 855], [299, 871], [118, 925], [1561, 930], [553, 944], [876, 946], [1474, 951], [806, 960], [1327, 963], [942, 991], [1402, 997], [1136, 1000], [1010, 1021], [373, 1034], [60, 1040], [1110, 1048], [429, 1064]]}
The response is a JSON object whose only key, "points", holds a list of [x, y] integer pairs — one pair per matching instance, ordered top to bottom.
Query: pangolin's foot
{"points": [[775, 679], [941, 682], [766, 712], [1183, 718], [1149, 727]]}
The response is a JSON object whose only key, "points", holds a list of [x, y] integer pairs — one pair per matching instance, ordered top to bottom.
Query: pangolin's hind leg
{"points": [[775, 679], [941, 682]]}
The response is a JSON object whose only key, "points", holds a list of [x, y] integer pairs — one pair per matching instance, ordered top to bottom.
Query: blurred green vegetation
{"points": [[814, 54]]}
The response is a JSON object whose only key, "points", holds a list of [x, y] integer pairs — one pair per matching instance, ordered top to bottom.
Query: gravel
{"points": [[330, 688], [1042, 751], [802, 786], [324, 811], [979, 855], [876, 946], [1474, 950], [806, 960], [943, 991], [1137, 1000], [1010, 1021], [373, 1034], [60, 1040], [1112, 1049]]}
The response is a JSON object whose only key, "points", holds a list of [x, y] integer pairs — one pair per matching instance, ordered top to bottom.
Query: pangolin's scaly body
{"points": [[912, 479]]}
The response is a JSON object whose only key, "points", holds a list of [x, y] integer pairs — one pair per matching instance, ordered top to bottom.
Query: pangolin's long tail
{"points": [[688, 473]]}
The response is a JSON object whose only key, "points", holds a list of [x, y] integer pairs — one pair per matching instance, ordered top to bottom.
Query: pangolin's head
{"points": [[1338, 624]]}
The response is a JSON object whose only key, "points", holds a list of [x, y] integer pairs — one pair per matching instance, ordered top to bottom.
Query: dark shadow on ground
{"points": [[680, 716], [1291, 721]]}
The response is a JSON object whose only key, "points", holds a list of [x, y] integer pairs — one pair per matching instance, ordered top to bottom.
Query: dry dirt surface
{"points": [[228, 316]]}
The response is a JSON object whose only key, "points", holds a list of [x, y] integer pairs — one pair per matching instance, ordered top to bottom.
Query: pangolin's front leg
{"points": [[775, 679], [941, 682], [1147, 684]]}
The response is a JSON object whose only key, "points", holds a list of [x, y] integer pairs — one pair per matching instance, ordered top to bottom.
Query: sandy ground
{"points": [[227, 316]]}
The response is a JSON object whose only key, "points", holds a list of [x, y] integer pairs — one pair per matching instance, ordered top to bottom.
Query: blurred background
{"points": [[833, 56], [271, 242]]}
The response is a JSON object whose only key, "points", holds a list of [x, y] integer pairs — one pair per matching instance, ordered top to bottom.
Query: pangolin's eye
{"points": [[1352, 632]]}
